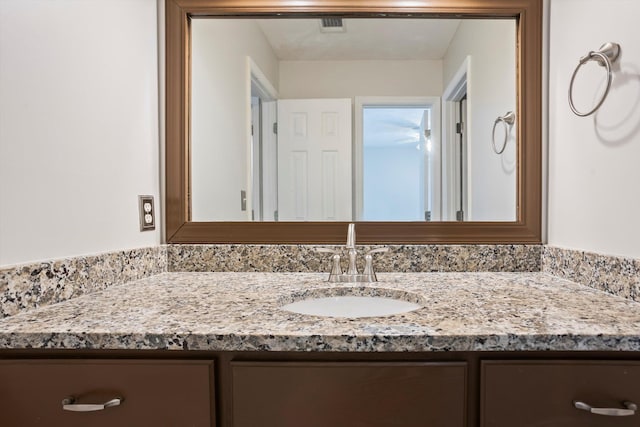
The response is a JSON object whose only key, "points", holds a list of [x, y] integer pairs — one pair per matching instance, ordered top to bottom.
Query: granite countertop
{"points": [[240, 312]]}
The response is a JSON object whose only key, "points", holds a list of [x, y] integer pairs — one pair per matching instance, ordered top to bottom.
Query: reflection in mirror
{"points": [[377, 120]]}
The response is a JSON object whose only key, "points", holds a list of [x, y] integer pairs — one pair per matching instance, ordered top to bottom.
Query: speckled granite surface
{"points": [[400, 258], [614, 275], [34, 285], [240, 311]]}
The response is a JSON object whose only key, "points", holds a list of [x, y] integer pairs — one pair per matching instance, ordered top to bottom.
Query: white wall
{"points": [[347, 79], [491, 91], [220, 116], [78, 126], [594, 162]]}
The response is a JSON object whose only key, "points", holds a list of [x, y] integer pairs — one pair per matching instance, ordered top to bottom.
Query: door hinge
{"points": [[275, 128], [459, 128], [251, 130], [243, 200], [275, 215], [427, 215], [460, 216]]}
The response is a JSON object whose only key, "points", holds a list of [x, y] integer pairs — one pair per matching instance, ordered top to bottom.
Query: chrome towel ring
{"points": [[605, 56], [507, 120]]}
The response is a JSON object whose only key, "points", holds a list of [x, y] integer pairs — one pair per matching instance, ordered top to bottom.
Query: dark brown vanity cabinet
{"points": [[263, 389], [137, 393], [544, 393], [349, 394]]}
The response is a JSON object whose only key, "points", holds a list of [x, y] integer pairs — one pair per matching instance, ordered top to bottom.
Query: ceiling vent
{"points": [[332, 25]]}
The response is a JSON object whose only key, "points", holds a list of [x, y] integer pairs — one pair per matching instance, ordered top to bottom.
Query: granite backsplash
{"points": [[400, 258], [615, 275], [34, 285]]}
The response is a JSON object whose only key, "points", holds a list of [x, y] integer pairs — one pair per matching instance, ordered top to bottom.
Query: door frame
{"points": [[256, 80], [458, 87], [432, 102]]}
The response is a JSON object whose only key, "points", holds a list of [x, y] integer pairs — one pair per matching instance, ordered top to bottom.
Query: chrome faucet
{"points": [[352, 254], [352, 275]]}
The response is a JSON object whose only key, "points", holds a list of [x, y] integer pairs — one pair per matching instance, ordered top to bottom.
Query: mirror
{"points": [[361, 119], [433, 218]]}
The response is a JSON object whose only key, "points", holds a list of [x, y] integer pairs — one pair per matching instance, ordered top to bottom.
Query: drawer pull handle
{"points": [[68, 404], [631, 409]]}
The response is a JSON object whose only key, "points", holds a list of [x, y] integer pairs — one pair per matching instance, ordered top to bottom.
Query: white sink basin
{"points": [[354, 303]]}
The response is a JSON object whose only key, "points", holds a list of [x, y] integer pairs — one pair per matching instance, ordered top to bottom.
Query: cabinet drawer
{"points": [[154, 393], [542, 393], [349, 394]]}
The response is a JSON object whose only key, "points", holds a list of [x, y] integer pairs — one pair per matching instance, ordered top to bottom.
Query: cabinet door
{"points": [[154, 393], [542, 393], [373, 394]]}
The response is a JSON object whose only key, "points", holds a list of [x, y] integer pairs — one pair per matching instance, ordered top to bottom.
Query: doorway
{"points": [[397, 160]]}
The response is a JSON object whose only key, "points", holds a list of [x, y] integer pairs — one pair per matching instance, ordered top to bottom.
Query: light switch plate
{"points": [[147, 213]]}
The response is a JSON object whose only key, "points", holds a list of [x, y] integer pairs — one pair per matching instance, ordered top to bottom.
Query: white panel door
{"points": [[314, 160]]}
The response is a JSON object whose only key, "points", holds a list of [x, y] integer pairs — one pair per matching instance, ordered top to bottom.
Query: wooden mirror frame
{"points": [[526, 228]]}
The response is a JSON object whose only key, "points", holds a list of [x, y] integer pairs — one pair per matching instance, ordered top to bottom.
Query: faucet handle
{"points": [[328, 250], [368, 264], [336, 269]]}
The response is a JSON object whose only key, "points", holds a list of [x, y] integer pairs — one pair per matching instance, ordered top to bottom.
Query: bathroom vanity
{"points": [[201, 349], [317, 390]]}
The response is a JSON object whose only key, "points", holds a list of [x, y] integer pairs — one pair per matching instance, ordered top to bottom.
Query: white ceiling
{"points": [[385, 38]]}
